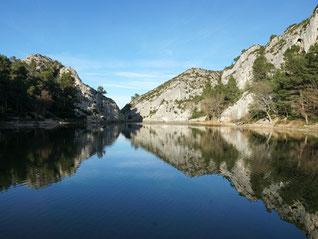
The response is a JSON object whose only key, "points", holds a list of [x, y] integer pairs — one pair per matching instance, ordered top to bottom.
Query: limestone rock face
{"points": [[304, 34], [39, 60], [242, 71], [173, 100], [91, 104], [98, 106], [239, 109]]}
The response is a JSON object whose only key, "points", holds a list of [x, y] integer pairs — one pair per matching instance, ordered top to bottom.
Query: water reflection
{"points": [[40, 157], [278, 168]]}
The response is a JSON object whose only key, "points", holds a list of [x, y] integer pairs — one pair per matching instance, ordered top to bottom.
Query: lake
{"points": [[158, 181]]}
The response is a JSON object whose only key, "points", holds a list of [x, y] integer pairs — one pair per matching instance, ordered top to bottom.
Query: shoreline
{"points": [[51, 123], [289, 127], [304, 128]]}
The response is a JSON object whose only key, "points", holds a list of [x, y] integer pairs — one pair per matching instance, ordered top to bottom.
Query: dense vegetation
{"points": [[28, 90], [291, 91], [216, 99]]}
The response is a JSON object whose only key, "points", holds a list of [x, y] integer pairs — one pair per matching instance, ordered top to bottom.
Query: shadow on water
{"points": [[279, 169]]}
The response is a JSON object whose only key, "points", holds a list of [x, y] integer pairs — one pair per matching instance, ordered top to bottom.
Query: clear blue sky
{"points": [[132, 46]]}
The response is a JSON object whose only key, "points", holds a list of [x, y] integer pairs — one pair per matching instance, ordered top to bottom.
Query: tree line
{"points": [[27, 90], [289, 92]]}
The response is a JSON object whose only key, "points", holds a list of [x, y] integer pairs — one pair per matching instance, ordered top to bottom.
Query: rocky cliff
{"points": [[174, 100], [164, 102], [90, 104]]}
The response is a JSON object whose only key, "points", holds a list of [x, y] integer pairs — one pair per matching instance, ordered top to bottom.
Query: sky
{"points": [[132, 46]]}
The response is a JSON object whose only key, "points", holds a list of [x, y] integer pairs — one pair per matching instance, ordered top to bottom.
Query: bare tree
{"points": [[263, 98], [307, 103], [213, 106]]}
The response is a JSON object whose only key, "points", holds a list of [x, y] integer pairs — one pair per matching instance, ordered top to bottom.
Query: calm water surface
{"points": [[157, 181]]}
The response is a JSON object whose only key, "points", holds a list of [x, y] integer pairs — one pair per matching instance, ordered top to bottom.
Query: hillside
{"points": [[39, 87], [180, 99], [174, 100]]}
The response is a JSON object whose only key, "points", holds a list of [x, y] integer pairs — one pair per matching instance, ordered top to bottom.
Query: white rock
{"points": [[173, 100], [91, 104], [239, 109]]}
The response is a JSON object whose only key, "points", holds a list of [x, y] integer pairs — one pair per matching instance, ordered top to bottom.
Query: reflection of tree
{"points": [[215, 148], [192, 150], [40, 157], [290, 162], [282, 171]]}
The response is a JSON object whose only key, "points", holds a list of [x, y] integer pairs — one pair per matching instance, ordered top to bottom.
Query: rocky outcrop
{"points": [[304, 34], [40, 61], [242, 70], [174, 100], [170, 101], [91, 104], [239, 109]]}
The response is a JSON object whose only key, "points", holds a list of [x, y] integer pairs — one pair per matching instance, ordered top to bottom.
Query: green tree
{"points": [[272, 37], [262, 69], [18, 75], [66, 80], [4, 83], [295, 85], [27, 88], [101, 90], [233, 93], [67, 94], [135, 96], [216, 99]]}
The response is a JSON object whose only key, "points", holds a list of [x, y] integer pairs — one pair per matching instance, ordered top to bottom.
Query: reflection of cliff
{"points": [[175, 145], [39, 157], [280, 171], [285, 176]]}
